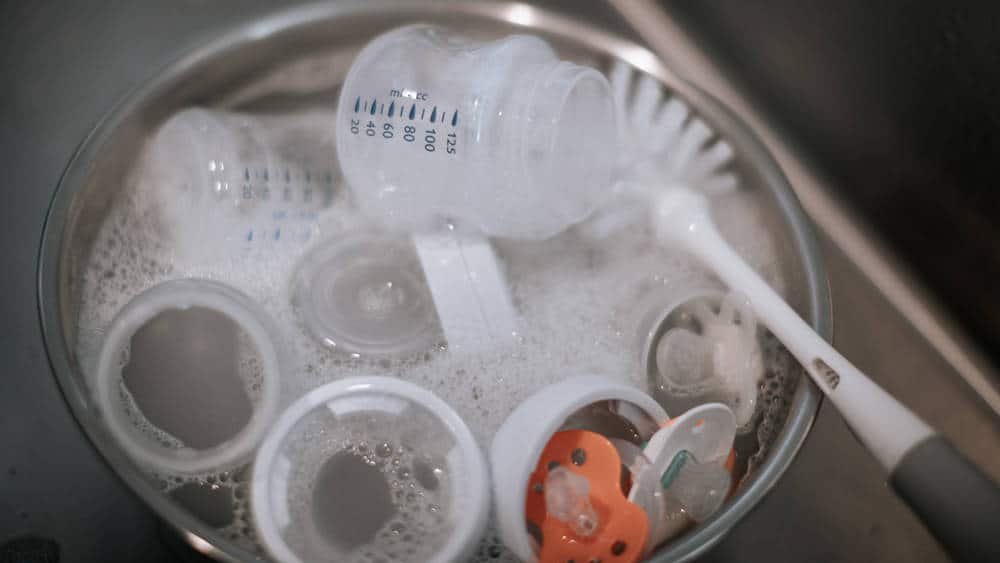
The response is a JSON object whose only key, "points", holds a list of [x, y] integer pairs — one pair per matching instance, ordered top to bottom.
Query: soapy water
{"points": [[577, 298], [167, 356], [359, 491]]}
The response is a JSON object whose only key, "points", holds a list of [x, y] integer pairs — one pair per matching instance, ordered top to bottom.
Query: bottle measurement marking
{"points": [[433, 118], [431, 137]]}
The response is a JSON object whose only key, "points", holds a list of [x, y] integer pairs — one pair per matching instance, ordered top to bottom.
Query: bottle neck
{"points": [[546, 90], [567, 138]]}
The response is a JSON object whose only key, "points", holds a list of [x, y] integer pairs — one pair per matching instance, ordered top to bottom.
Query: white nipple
{"points": [[721, 362], [700, 488]]}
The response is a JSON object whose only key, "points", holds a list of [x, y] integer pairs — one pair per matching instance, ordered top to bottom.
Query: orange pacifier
{"points": [[575, 501]]}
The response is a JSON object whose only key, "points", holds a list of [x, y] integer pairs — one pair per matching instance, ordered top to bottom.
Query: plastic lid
{"points": [[366, 294], [183, 295], [412, 456]]}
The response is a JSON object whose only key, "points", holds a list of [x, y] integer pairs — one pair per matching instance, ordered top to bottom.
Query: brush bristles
{"points": [[660, 129]]}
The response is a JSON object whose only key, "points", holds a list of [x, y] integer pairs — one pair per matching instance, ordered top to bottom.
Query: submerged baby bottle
{"points": [[497, 138], [230, 182]]}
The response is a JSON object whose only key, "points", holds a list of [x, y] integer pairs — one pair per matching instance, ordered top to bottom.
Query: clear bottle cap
{"points": [[366, 294], [152, 447], [412, 453]]}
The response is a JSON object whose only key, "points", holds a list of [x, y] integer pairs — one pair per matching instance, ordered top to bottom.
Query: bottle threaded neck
{"points": [[568, 139]]}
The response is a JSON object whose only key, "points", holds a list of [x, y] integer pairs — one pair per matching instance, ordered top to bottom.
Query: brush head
{"points": [[662, 140], [663, 144]]}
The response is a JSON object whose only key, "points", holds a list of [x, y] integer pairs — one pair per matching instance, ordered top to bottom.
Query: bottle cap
{"points": [[366, 294], [184, 295], [406, 435]]}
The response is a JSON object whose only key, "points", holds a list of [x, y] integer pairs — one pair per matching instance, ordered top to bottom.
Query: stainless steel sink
{"points": [[69, 65]]}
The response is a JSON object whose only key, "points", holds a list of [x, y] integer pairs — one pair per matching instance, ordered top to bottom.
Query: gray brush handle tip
{"points": [[957, 502]]}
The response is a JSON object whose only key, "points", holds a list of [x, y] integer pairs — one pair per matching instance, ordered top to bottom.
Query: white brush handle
{"points": [[886, 427]]}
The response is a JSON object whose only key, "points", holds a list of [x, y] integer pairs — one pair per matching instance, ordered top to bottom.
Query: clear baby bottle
{"points": [[498, 138], [231, 181]]}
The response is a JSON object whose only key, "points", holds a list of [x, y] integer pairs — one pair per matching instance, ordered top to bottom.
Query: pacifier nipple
{"points": [[715, 356], [700, 488], [566, 499]]}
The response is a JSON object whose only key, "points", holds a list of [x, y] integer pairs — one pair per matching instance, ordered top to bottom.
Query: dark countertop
{"points": [[67, 64]]}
